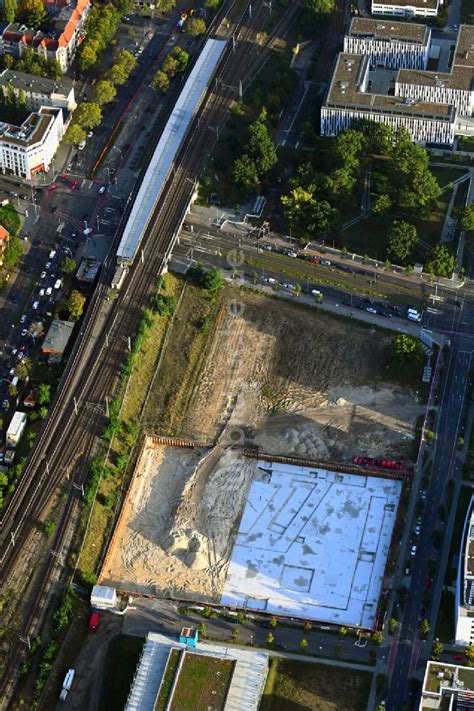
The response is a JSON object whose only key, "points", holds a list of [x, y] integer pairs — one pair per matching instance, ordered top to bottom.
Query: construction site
{"points": [[259, 507]]}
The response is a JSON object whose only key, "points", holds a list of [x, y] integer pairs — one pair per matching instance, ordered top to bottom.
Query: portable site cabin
{"points": [[103, 597]]}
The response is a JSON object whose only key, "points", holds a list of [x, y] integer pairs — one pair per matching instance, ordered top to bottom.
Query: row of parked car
{"points": [[380, 463]]}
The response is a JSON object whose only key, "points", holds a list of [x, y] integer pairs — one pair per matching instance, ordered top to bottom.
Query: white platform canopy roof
{"points": [[167, 149]]}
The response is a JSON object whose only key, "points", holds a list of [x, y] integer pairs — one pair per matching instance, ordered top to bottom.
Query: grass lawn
{"points": [[467, 12], [466, 143], [444, 176], [181, 364], [131, 409], [120, 665], [168, 679], [202, 683], [295, 685]]}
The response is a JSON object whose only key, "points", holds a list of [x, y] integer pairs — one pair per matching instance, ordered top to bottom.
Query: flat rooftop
{"points": [[425, 4], [389, 30], [464, 52], [460, 78], [32, 83], [344, 91], [313, 544]]}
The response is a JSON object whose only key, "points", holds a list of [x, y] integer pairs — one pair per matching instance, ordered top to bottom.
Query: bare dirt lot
{"points": [[293, 381], [305, 382]]}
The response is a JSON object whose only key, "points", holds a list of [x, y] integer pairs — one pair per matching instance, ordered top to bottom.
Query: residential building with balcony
{"points": [[39, 91]]}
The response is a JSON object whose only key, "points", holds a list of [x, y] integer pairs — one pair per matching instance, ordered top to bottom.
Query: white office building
{"points": [[406, 8], [388, 43], [349, 100], [30, 148]]}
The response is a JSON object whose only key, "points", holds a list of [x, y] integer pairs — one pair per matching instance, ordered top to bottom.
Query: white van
{"points": [[413, 315]]}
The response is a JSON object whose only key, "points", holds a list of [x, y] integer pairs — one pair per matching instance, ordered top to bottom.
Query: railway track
{"points": [[65, 445]]}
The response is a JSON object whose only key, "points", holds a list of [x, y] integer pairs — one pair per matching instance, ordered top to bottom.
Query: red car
{"points": [[74, 185], [52, 187], [315, 260], [94, 621], [458, 657]]}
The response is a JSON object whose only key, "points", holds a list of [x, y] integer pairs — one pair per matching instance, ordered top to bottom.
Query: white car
{"points": [[90, 134], [102, 189], [290, 253], [52, 254], [48, 265], [43, 275], [269, 280], [57, 284], [291, 287], [49, 291], [41, 292], [316, 292], [35, 305], [371, 310], [23, 318], [24, 332], [14, 351], [417, 529], [413, 550]]}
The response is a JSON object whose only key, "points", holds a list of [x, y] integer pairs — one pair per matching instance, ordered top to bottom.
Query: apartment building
{"points": [[406, 8], [388, 43], [60, 44], [39, 91], [349, 100], [30, 148], [4, 237]]}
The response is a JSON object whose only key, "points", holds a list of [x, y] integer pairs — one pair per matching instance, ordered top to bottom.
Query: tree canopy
{"points": [[9, 10], [32, 13], [195, 26], [160, 81], [103, 92], [75, 134], [259, 154], [465, 216], [10, 219], [402, 238], [13, 252], [440, 261], [75, 304], [407, 350]]}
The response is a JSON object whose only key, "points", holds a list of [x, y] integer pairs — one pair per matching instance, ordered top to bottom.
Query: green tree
{"points": [[212, 4], [165, 5], [319, 7], [9, 10], [31, 13], [195, 26], [89, 55], [181, 57], [126, 60], [170, 65], [54, 70], [117, 74], [160, 82], [103, 92], [88, 115], [75, 134], [348, 149], [245, 171], [381, 204], [306, 213], [465, 216], [10, 219], [401, 239], [13, 252], [440, 261], [68, 265], [213, 279], [298, 289], [75, 304], [407, 350], [23, 368], [12, 390], [44, 394], [43, 412], [3, 480], [49, 527], [273, 622], [392, 625], [307, 627], [425, 627], [342, 631], [377, 637], [270, 638], [304, 643], [437, 650], [469, 654]]}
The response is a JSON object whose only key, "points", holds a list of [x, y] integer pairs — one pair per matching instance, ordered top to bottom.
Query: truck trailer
{"points": [[15, 428]]}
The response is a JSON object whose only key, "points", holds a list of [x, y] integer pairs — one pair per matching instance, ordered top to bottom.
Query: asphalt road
{"points": [[410, 651]]}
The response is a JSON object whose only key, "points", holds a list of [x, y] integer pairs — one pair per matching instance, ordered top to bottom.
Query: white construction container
{"points": [[103, 597]]}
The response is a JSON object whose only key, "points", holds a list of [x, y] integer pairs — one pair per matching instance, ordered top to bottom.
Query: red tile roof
{"points": [[4, 234]]}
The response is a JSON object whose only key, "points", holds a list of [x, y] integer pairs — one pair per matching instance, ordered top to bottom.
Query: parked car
{"points": [[102, 189], [325, 262], [43, 275], [35, 305], [371, 310], [23, 318], [413, 550], [93, 621]]}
